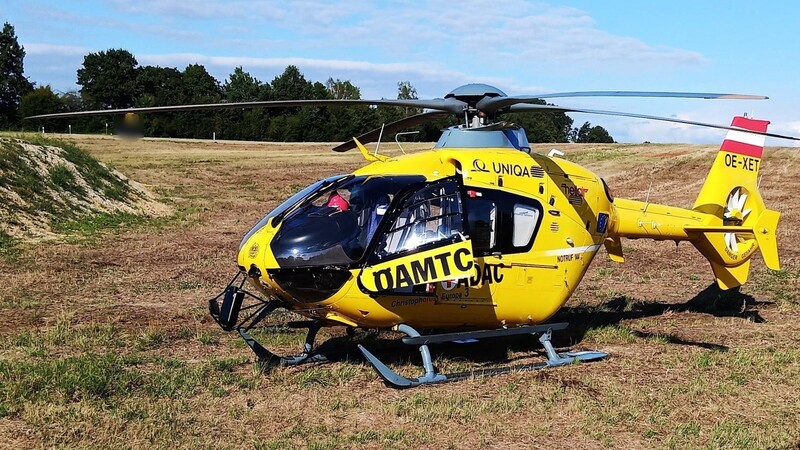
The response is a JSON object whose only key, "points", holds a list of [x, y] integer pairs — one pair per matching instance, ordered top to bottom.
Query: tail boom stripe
{"points": [[750, 124], [747, 138], [742, 148]]}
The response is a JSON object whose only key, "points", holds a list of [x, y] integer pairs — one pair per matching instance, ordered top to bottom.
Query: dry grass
{"points": [[105, 341]]}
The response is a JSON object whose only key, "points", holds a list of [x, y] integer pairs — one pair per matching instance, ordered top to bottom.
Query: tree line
{"points": [[114, 79]]}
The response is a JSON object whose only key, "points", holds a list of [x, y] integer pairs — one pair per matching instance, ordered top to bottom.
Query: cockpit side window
{"points": [[430, 215], [526, 217], [482, 219], [500, 221]]}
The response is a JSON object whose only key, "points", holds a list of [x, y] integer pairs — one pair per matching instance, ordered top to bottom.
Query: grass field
{"points": [[105, 341]]}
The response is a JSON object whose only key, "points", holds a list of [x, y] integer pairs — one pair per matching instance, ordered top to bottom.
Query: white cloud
{"points": [[196, 9], [116, 24], [471, 33], [542, 33], [437, 46], [37, 48], [713, 112], [787, 128], [639, 130]]}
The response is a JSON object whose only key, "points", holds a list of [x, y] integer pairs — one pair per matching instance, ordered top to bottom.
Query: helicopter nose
{"points": [[255, 254], [310, 284]]}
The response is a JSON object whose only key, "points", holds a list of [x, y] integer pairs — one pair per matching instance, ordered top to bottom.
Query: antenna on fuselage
{"points": [[403, 134], [380, 136]]}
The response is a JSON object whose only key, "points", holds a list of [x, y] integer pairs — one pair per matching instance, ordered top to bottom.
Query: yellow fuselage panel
{"points": [[509, 289]]}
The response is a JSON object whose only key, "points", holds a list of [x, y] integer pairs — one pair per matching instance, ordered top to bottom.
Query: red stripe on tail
{"points": [[750, 124], [741, 148]]}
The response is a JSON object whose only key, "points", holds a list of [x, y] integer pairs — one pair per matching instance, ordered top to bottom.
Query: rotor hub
{"points": [[474, 92]]}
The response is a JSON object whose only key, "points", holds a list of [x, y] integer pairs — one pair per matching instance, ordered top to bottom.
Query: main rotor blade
{"points": [[491, 104], [449, 105], [552, 108], [390, 128]]}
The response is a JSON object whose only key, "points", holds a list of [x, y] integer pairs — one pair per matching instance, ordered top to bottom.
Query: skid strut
{"points": [[227, 313], [269, 358], [554, 358], [397, 380]]}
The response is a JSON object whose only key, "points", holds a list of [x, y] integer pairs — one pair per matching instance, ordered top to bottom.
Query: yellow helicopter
{"points": [[478, 237]]}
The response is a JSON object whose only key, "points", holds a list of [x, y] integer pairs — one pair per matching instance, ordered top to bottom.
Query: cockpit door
{"points": [[424, 242]]}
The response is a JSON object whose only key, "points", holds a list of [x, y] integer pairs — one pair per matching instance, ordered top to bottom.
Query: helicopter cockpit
{"points": [[346, 222], [334, 223]]}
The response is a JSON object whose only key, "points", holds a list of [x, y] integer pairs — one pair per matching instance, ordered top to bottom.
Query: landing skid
{"points": [[226, 314], [267, 357], [431, 376]]}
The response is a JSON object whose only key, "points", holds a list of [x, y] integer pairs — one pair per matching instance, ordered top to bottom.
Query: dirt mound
{"points": [[45, 182]]}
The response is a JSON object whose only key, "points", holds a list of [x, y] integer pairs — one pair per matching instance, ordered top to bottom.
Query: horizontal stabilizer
{"points": [[691, 230], [764, 233]]}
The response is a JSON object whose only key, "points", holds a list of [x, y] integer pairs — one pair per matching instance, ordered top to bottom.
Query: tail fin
{"points": [[738, 221]]}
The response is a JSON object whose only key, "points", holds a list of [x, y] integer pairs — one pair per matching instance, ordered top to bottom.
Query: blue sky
{"points": [[522, 47]]}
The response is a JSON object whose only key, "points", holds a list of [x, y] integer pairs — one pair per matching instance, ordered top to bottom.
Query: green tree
{"points": [[108, 79], [13, 84], [291, 85], [159, 86], [199, 86], [242, 87], [342, 90], [406, 91], [41, 100], [72, 101], [389, 114], [347, 122], [249, 124], [298, 124], [543, 126], [432, 131], [589, 134]]}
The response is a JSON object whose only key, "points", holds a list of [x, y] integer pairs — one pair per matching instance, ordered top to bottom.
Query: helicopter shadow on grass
{"points": [[712, 300], [491, 352]]}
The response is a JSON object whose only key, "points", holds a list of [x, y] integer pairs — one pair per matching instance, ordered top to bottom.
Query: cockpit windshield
{"points": [[291, 201], [334, 224]]}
